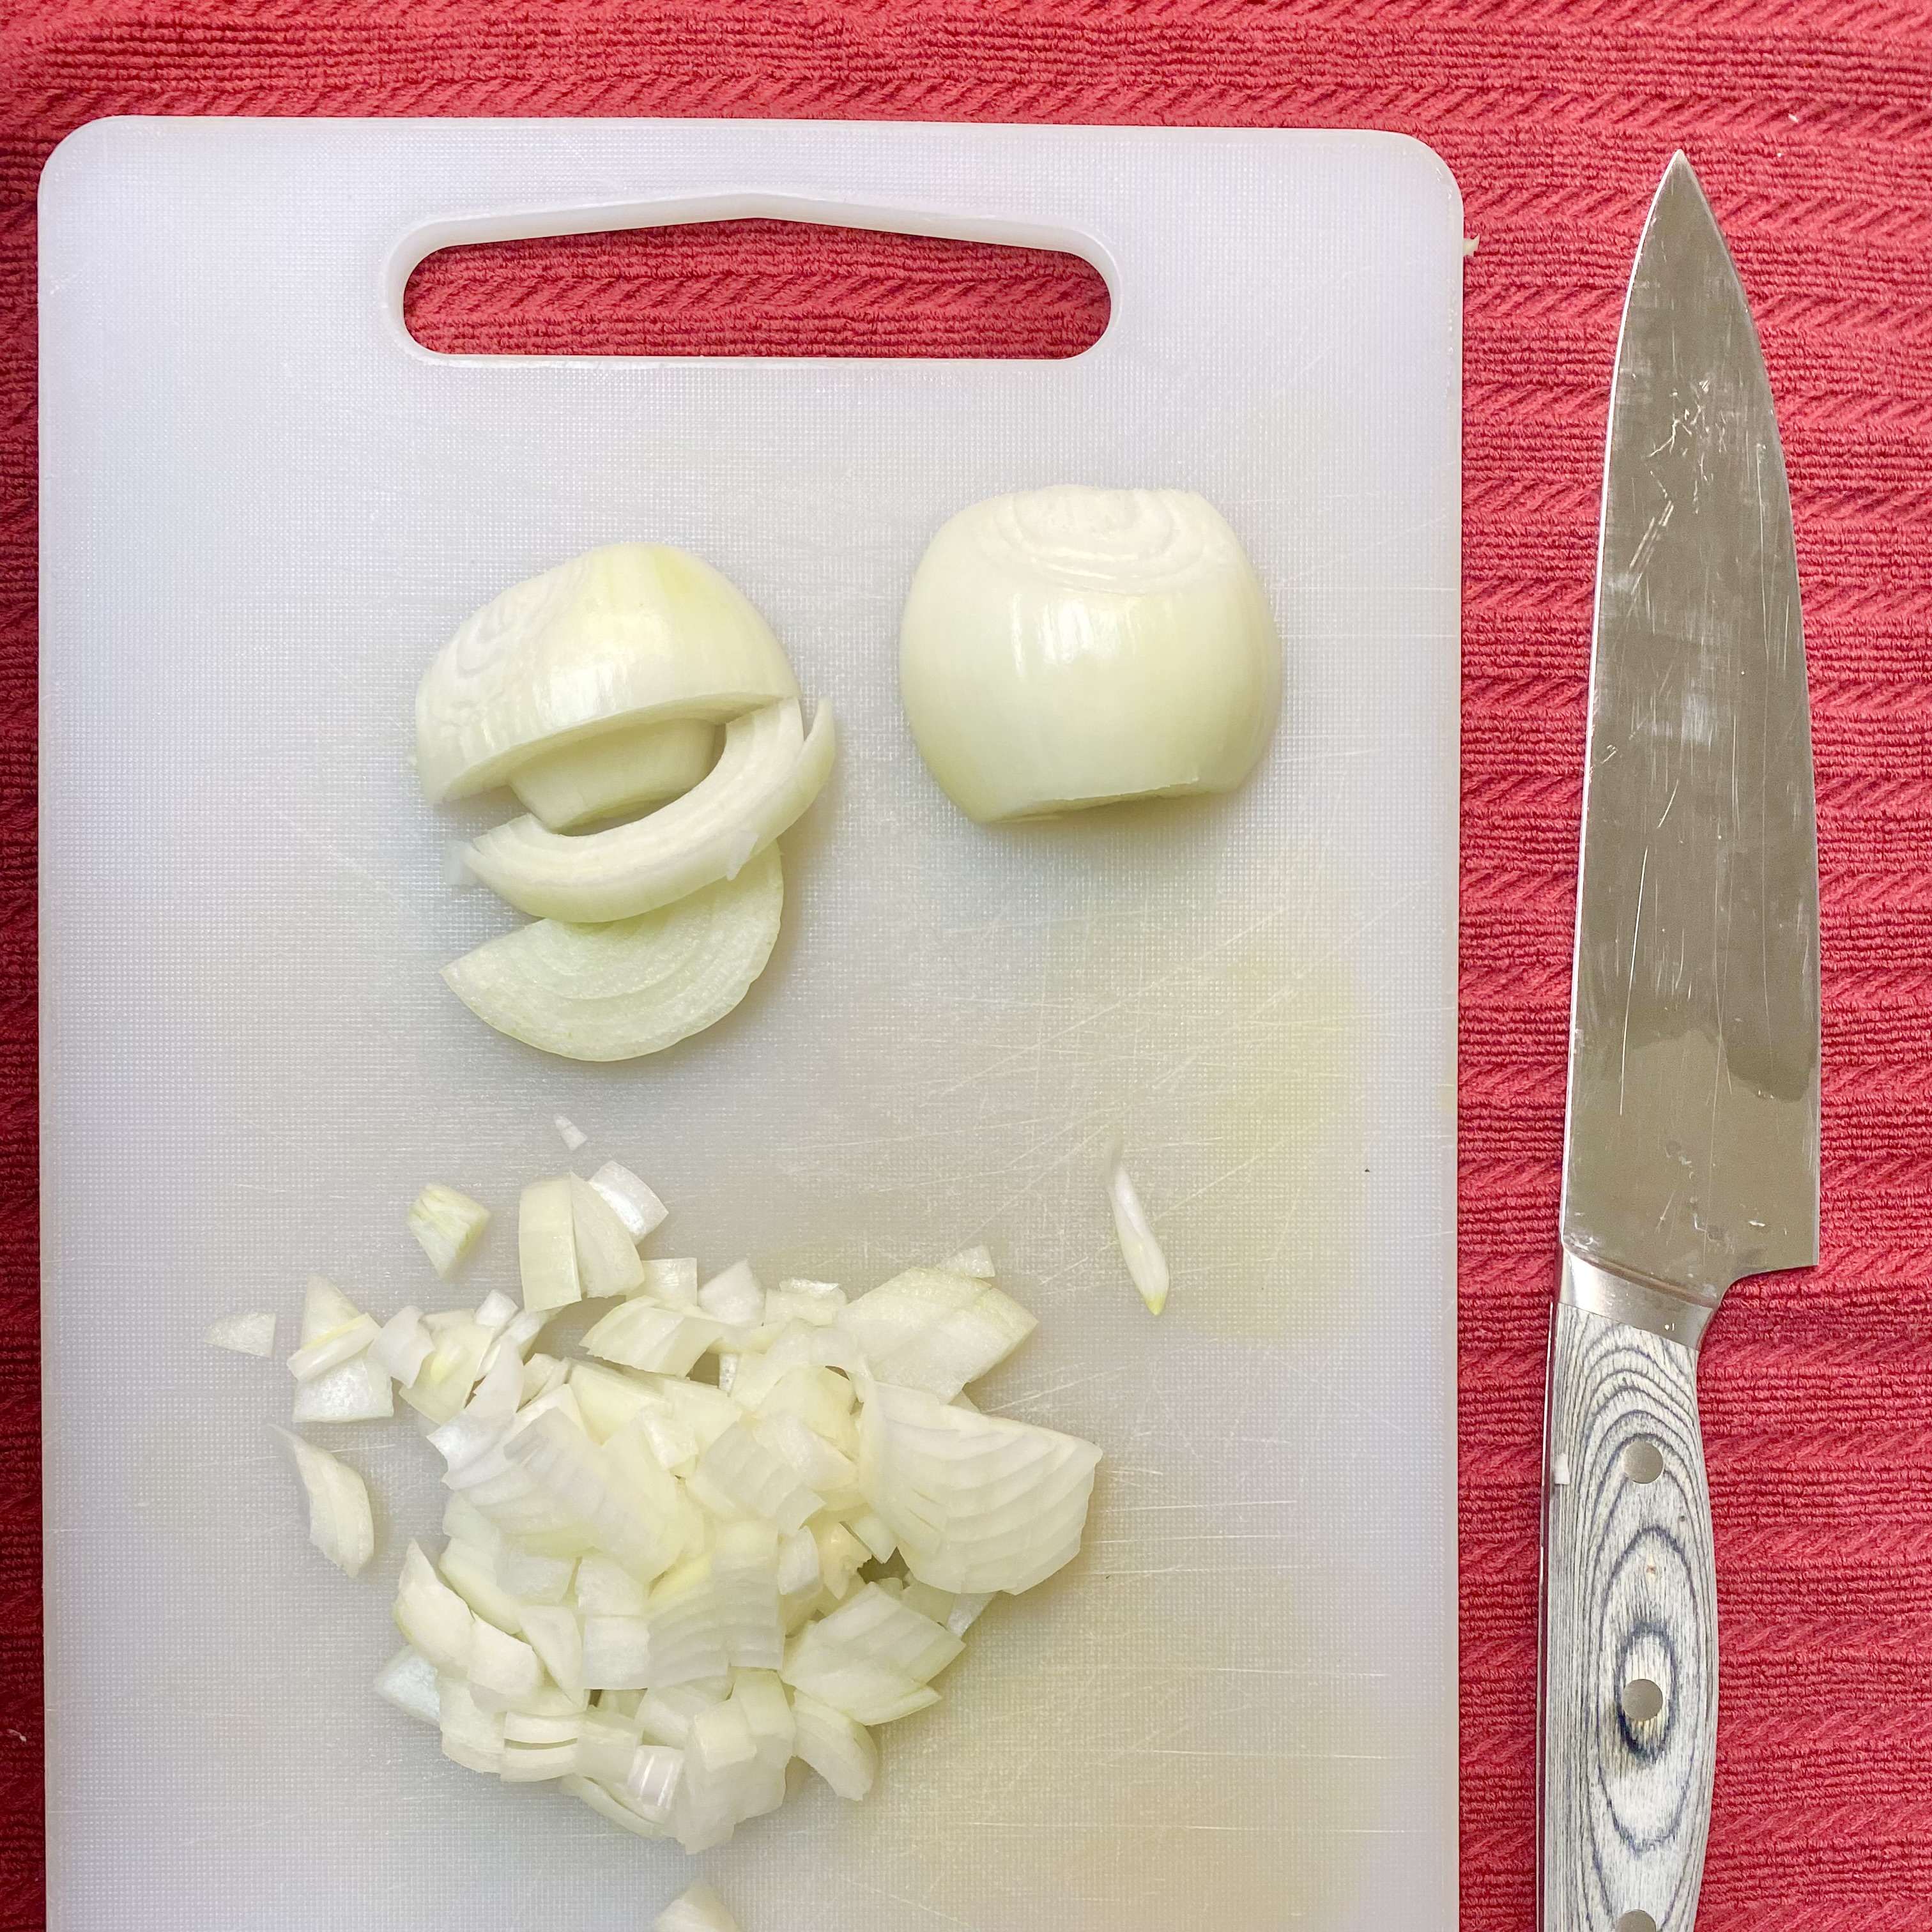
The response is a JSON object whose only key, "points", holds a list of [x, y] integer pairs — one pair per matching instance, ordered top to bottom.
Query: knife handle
{"points": [[1627, 1696]]}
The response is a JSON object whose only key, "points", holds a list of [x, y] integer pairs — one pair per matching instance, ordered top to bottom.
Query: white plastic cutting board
{"points": [[264, 507]]}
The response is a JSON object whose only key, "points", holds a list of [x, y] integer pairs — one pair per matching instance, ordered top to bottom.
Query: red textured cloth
{"points": [[1811, 126]]}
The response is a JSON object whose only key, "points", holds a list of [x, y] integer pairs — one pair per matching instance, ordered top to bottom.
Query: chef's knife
{"points": [[1690, 1156]]}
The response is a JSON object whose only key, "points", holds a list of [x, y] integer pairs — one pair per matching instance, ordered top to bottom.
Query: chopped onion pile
{"points": [[596, 691], [655, 1591]]}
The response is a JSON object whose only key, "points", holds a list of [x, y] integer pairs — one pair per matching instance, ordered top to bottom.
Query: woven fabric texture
{"points": [[1811, 124]]}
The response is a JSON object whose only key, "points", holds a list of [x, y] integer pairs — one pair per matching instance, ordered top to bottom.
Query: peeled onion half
{"points": [[633, 634], [1071, 646]]}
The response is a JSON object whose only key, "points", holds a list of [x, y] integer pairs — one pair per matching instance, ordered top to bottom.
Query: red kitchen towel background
{"points": [[1811, 126]]}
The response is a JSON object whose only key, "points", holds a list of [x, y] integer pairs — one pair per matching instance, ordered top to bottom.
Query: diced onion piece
{"points": [[631, 633], [1067, 647], [769, 771], [617, 772], [633, 986], [569, 1132], [630, 1199], [446, 1224], [547, 1245], [606, 1257], [1145, 1261], [977, 1262], [673, 1282], [734, 1296], [815, 1303], [325, 1310], [495, 1312], [929, 1329], [253, 1333], [641, 1335], [403, 1346], [333, 1350], [443, 1385], [357, 1390], [607, 1399], [811, 1458], [578, 1473], [737, 1475], [978, 1502], [339, 1525], [876, 1534], [840, 1554], [744, 1565], [798, 1573], [472, 1574], [530, 1576], [607, 1589], [936, 1604], [966, 1609], [431, 1615], [555, 1634], [687, 1641], [616, 1653], [871, 1658], [502, 1666], [408, 1680], [665, 1713], [472, 1735], [607, 1743], [841, 1750], [533, 1764], [651, 1782], [608, 1804], [696, 1909]]}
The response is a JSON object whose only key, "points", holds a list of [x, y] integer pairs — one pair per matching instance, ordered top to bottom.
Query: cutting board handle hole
{"points": [[756, 287]]}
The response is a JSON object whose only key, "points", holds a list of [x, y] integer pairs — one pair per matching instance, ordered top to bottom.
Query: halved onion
{"points": [[629, 634], [1071, 646], [769, 771], [617, 772], [634, 986], [978, 1502]]}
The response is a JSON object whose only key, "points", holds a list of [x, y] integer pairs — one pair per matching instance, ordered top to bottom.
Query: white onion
{"points": [[631, 633], [1071, 646], [770, 770], [614, 774], [634, 986], [630, 1199], [447, 1224], [547, 1245], [606, 1257], [1145, 1261], [976, 1262], [673, 1282], [734, 1296], [927, 1329], [253, 1333], [641, 1335], [403, 1346], [356, 1391], [737, 1475], [979, 1502], [339, 1525], [431, 1615], [555, 1634], [616, 1653], [870, 1658], [501, 1668], [408, 1680], [472, 1735], [841, 1750], [696, 1909]]}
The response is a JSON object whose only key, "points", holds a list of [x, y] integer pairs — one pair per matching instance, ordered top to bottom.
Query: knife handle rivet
{"points": [[1643, 1461], [1643, 1700], [1636, 1921]]}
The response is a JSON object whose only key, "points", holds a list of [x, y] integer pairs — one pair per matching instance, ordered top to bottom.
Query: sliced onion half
{"points": [[769, 771]]}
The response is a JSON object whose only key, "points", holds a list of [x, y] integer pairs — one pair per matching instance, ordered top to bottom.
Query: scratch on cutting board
{"points": [[340, 858]]}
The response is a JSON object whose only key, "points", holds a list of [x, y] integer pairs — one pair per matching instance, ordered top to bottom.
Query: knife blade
{"points": [[1690, 1153]]}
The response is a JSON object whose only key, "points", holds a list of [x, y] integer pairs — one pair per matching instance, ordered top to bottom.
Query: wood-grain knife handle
{"points": [[1628, 1696]]}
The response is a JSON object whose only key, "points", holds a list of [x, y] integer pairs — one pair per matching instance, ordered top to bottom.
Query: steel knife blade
{"points": [[1690, 1153]]}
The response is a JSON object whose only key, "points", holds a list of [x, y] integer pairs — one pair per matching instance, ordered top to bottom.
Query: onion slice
{"points": [[769, 771], [615, 773], [634, 986]]}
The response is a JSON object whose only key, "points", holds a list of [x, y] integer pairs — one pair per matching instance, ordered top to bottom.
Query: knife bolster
{"points": [[1636, 1304]]}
